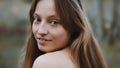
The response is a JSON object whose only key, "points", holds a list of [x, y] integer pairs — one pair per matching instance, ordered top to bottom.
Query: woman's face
{"points": [[49, 33]]}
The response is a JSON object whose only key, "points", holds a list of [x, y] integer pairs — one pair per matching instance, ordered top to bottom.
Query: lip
{"points": [[43, 40]]}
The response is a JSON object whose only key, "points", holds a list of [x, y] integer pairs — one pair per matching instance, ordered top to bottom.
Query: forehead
{"points": [[44, 3], [45, 7]]}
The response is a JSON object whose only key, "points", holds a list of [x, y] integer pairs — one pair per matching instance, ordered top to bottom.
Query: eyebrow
{"points": [[35, 14], [51, 16]]}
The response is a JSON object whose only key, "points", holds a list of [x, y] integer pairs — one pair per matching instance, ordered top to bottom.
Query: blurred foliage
{"points": [[10, 50], [112, 55]]}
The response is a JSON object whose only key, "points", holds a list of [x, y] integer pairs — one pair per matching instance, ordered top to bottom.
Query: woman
{"points": [[61, 37]]}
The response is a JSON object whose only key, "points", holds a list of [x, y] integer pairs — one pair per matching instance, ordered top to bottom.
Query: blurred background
{"points": [[104, 16]]}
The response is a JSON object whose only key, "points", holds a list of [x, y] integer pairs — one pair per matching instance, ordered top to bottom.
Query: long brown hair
{"points": [[82, 43]]}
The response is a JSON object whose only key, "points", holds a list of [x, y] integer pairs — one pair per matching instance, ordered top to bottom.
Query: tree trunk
{"points": [[115, 25]]}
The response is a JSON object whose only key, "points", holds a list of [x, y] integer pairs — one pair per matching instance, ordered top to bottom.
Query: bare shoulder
{"points": [[53, 60], [44, 61]]}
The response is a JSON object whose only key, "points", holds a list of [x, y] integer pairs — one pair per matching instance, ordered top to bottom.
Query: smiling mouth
{"points": [[42, 40]]}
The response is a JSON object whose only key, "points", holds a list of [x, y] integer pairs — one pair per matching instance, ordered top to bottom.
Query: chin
{"points": [[45, 50]]}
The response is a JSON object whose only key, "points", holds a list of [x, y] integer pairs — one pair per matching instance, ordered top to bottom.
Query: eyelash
{"points": [[36, 20], [52, 22]]}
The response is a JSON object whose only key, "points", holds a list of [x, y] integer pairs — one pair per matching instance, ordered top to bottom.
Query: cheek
{"points": [[34, 29], [61, 36], [62, 40]]}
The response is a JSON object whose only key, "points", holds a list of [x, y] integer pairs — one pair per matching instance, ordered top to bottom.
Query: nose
{"points": [[42, 30]]}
